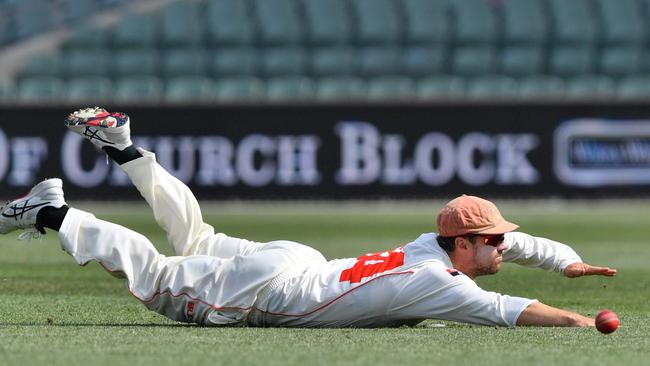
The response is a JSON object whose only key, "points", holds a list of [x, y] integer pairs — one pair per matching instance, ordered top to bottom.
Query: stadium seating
{"points": [[75, 9], [31, 17], [278, 22], [378, 22], [427, 22], [525, 22], [574, 22], [622, 22], [229, 23], [327, 23], [476, 23], [5, 24], [181, 24], [135, 31], [623, 37], [87, 38], [276, 50], [377, 60], [184, 61], [234, 61], [279, 61], [333, 61], [420, 61], [473, 61], [521, 61], [566, 61], [620, 61], [84, 62], [136, 62], [42, 65], [590, 86], [391, 87], [440, 87], [492, 87], [537, 87], [634, 87], [138, 88], [240, 88], [290, 88], [341, 88], [41, 89], [90, 89], [189, 89], [7, 92]]}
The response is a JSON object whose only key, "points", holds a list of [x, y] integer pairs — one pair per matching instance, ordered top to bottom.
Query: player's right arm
{"points": [[436, 292], [538, 314]]}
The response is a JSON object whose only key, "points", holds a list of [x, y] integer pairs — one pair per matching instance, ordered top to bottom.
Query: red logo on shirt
{"points": [[372, 264], [453, 271], [190, 311]]}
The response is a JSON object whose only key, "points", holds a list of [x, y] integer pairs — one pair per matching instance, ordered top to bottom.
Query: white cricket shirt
{"points": [[402, 286]]}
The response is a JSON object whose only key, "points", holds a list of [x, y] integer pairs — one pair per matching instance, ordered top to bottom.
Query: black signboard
{"points": [[348, 152]]}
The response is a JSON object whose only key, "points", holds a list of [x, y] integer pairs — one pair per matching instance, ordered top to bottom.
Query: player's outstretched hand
{"points": [[584, 269]]}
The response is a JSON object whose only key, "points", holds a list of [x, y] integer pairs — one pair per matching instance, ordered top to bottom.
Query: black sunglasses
{"points": [[491, 240]]}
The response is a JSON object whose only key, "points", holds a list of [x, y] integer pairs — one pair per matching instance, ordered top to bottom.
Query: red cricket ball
{"points": [[607, 321]]}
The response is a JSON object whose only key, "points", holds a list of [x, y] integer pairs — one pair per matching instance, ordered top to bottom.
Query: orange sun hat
{"points": [[472, 215]]}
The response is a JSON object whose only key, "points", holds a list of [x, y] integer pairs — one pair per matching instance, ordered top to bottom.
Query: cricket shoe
{"points": [[101, 127], [22, 212]]}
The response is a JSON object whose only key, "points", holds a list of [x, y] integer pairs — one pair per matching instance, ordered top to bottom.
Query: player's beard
{"points": [[489, 268]]}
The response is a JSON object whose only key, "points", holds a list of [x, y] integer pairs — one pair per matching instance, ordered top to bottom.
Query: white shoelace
{"points": [[29, 234]]}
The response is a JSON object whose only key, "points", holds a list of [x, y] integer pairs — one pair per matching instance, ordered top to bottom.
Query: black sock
{"points": [[122, 156], [51, 218]]}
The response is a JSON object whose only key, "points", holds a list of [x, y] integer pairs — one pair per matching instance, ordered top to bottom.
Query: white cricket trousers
{"points": [[214, 279]]}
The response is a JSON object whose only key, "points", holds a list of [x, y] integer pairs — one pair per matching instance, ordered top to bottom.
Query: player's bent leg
{"points": [[175, 207], [177, 211], [119, 250], [201, 289]]}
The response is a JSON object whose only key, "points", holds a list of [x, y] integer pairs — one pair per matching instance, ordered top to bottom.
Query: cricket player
{"points": [[215, 279]]}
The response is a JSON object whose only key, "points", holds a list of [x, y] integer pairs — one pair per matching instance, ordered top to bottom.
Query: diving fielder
{"points": [[215, 279]]}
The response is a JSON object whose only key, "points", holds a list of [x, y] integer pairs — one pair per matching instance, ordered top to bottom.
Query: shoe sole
{"points": [[102, 121]]}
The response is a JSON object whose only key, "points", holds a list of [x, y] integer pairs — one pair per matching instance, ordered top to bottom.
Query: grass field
{"points": [[56, 313]]}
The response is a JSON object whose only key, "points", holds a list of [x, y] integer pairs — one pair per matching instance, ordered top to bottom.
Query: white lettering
{"points": [[183, 147], [443, 147], [4, 154], [27, 155], [246, 156], [477, 158], [297, 160], [360, 160], [215, 161], [72, 165], [514, 166], [394, 171], [482, 173]]}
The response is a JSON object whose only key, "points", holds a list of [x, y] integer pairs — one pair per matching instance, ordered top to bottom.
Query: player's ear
{"points": [[461, 243]]}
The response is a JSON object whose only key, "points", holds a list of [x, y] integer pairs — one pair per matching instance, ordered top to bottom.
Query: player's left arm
{"points": [[531, 251], [583, 269], [538, 314]]}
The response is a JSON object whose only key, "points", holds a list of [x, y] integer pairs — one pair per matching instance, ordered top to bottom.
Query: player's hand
{"points": [[584, 269]]}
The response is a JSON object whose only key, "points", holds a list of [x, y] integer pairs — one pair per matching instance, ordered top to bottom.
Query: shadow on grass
{"points": [[131, 325]]}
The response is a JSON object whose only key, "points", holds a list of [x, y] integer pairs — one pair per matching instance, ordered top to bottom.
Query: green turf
{"points": [[56, 313]]}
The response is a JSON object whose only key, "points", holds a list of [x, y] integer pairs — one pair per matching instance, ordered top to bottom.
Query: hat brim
{"points": [[501, 228]]}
